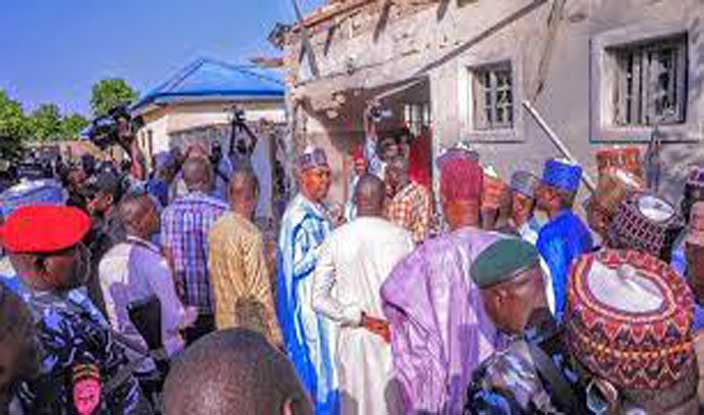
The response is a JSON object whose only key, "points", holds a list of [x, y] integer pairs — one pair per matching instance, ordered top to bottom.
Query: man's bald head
{"points": [[198, 174], [244, 191], [369, 196], [138, 215], [233, 372]]}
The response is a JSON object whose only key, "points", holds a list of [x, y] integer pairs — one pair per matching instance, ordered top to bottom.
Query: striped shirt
{"points": [[185, 225]]}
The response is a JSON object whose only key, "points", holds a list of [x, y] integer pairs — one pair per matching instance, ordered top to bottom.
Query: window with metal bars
{"points": [[650, 82], [492, 90]]}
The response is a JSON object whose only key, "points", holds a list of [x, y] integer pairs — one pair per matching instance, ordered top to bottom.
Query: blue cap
{"points": [[562, 174]]}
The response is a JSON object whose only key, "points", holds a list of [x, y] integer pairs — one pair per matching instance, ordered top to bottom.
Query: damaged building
{"points": [[488, 72]]}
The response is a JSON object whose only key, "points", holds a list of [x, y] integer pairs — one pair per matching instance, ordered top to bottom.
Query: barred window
{"points": [[650, 82], [492, 90]]}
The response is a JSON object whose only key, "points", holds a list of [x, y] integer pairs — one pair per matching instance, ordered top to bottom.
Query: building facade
{"points": [[600, 73]]}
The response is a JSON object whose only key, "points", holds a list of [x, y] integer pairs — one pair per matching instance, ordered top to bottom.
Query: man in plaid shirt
{"points": [[411, 205], [185, 225]]}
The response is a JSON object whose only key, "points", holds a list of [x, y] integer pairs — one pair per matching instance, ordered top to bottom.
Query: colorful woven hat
{"points": [[311, 158], [627, 158], [562, 174], [696, 177], [525, 183], [614, 186], [493, 189], [646, 223], [695, 234], [629, 319], [85, 371]]}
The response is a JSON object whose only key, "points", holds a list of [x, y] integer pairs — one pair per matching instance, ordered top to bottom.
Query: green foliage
{"points": [[110, 93], [45, 123], [72, 125], [13, 127]]}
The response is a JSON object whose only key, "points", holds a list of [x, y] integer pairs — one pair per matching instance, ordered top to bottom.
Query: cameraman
{"points": [[118, 127], [126, 129], [378, 151]]}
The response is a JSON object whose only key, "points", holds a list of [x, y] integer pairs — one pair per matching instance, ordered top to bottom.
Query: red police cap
{"points": [[44, 228]]}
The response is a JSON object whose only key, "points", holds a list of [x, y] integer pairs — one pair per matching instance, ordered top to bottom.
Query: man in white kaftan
{"points": [[354, 262]]}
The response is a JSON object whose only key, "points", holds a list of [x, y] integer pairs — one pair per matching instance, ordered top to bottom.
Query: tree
{"points": [[110, 93], [45, 123], [72, 125], [13, 127]]}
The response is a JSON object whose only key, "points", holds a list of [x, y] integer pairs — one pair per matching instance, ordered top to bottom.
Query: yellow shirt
{"points": [[239, 277]]}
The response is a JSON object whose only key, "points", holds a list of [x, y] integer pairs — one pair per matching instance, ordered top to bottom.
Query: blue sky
{"points": [[55, 50]]}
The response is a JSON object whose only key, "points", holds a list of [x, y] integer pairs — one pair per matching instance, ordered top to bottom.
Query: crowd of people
{"points": [[121, 295]]}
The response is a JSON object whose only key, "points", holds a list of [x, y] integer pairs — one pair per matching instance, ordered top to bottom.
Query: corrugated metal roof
{"points": [[210, 79]]}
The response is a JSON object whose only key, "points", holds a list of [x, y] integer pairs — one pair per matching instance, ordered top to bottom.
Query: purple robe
{"points": [[440, 332]]}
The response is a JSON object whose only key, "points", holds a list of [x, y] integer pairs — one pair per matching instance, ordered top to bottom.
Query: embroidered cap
{"points": [[312, 158], [627, 158], [696, 177], [525, 183], [614, 186], [493, 189], [646, 223], [629, 319], [85, 371]]}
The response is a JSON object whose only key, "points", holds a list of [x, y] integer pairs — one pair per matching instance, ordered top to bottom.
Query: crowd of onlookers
{"points": [[127, 290]]}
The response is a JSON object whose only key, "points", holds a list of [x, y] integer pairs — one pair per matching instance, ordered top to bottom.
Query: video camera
{"points": [[378, 113], [115, 127], [241, 144]]}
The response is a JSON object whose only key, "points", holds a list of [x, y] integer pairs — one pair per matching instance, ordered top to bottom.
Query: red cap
{"points": [[358, 153], [461, 179], [44, 228]]}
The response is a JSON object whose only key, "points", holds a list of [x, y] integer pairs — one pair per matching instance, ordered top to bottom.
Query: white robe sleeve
{"points": [[324, 280]]}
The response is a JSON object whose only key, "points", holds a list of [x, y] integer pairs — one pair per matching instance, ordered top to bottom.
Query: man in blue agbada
{"points": [[564, 237], [309, 338]]}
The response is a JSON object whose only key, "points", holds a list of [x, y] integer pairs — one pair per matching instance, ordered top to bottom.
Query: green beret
{"points": [[503, 261]]}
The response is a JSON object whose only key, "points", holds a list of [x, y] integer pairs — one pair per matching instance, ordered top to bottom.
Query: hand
{"points": [[369, 123], [180, 287], [190, 316], [377, 326]]}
